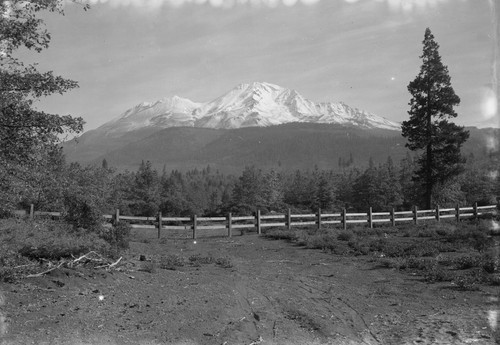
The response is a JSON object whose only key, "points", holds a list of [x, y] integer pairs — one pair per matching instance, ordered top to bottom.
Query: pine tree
{"points": [[428, 128]]}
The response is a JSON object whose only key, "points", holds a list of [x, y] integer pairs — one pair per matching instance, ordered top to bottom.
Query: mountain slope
{"points": [[291, 146]]}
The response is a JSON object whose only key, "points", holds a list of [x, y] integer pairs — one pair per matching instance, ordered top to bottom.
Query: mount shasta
{"points": [[247, 105], [257, 123]]}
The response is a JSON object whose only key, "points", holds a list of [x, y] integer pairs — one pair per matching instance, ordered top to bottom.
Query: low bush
{"points": [[444, 228], [278, 234], [118, 236], [345, 236], [53, 241], [25, 244], [198, 260], [467, 261], [171, 262], [224, 262], [397, 263], [490, 263], [424, 264], [148, 266], [438, 274], [467, 282]]}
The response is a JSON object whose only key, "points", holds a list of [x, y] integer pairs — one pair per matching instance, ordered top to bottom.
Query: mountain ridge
{"points": [[258, 104]]}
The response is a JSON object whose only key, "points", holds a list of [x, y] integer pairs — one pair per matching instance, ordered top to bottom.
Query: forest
{"points": [[85, 193]]}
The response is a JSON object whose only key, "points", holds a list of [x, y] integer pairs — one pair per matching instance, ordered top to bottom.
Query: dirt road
{"points": [[261, 292]]}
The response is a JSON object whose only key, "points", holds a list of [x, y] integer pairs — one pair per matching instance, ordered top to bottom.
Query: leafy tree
{"points": [[428, 128], [27, 136], [86, 191]]}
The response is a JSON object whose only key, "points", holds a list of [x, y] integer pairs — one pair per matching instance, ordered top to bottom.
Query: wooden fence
{"points": [[288, 220]]}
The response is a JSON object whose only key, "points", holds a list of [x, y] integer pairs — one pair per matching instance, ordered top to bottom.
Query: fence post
{"points": [[457, 209], [32, 211], [475, 211], [415, 214], [117, 216], [393, 217], [438, 217], [319, 218], [344, 218], [370, 218], [289, 219], [257, 222], [160, 225], [195, 225], [229, 225]]}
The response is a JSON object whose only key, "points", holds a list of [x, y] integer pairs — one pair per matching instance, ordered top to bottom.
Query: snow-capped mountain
{"points": [[247, 105]]}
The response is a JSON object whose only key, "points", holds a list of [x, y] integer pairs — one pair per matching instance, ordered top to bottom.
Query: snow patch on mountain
{"points": [[247, 105]]}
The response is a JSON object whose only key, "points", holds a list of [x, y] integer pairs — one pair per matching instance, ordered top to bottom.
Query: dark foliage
{"points": [[428, 129]]}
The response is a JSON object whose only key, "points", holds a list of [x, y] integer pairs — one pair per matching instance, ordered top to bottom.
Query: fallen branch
{"points": [[86, 256], [115, 263], [32, 264], [108, 266], [44, 272]]}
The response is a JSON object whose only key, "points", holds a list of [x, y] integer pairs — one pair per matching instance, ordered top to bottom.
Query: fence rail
{"points": [[288, 220]]}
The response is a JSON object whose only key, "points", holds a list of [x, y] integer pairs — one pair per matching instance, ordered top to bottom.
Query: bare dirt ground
{"points": [[266, 292]]}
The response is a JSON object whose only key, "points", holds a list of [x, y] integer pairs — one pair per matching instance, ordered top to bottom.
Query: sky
{"points": [[361, 52]]}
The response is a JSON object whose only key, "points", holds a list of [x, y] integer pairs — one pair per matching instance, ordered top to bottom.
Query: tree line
{"points": [[84, 193]]}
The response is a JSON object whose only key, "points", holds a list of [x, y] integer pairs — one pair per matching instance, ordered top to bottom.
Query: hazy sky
{"points": [[361, 52]]}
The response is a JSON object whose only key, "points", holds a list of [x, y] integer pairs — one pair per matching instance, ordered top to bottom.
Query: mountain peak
{"points": [[246, 105]]}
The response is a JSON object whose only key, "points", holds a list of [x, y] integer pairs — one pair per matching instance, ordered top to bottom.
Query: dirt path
{"points": [[274, 293]]}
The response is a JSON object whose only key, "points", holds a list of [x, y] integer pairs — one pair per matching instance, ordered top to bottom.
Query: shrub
{"points": [[444, 229], [426, 232], [278, 234], [118, 236], [345, 236], [48, 240], [321, 241], [359, 247], [421, 249], [198, 260], [467, 261], [171, 262], [224, 262], [397, 263], [489, 263], [424, 264], [148, 266], [438, 274], [7, 275], [467, 282]]}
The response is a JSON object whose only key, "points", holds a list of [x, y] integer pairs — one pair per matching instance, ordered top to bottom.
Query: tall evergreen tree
{"points": [[428, 128]]}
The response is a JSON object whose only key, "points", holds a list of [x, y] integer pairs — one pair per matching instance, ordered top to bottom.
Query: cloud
{"points": [[155, 4], [405, 6], [408, 6]]}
